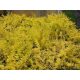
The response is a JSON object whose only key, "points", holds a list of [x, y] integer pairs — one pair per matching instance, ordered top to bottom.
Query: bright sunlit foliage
{"points": [[51, 42]]}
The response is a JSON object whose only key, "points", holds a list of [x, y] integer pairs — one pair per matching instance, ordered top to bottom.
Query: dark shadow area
{"points": [[71, 14], [74, 15]]}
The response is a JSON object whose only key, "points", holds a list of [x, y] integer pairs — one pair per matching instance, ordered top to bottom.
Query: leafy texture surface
{"points": [[51, 42]]}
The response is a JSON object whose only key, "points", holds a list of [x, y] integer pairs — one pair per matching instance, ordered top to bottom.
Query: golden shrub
{"points": [[51, 42]]}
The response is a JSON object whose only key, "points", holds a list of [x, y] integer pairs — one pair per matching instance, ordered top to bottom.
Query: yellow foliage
{"points": [[51, 42]]}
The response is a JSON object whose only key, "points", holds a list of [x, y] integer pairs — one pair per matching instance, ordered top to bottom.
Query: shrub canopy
{"points": [[51, 42]]}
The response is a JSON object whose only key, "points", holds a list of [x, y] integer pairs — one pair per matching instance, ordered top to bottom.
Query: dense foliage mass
{"points": [[51, 42]]}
